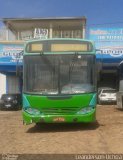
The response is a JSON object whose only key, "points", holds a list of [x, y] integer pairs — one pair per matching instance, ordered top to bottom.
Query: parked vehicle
{"points": [[106, 95], [11, 101]]}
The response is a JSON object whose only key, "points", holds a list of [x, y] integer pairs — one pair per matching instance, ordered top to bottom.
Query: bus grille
{"points": [[63, 110]]}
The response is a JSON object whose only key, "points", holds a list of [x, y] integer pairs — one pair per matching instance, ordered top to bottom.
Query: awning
{"points": [[5, 68]]}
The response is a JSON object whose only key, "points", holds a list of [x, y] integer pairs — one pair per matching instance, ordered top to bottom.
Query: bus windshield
{"points": [[55, 74]]}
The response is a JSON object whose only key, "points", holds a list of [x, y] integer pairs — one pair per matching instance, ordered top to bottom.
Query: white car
{"points": [[106, 95]]}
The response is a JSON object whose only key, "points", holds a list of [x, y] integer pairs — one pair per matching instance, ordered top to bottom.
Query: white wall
{"points": [[2, 84]]}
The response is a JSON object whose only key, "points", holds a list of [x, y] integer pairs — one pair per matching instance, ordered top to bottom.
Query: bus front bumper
{"points": [[88, 117]]}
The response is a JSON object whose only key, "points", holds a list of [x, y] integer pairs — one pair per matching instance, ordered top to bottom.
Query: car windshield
{"points": [[59, 74], [109, 91]]}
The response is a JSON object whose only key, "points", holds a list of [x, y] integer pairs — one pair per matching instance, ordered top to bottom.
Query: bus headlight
{"points": [[25, 103], [85, 110], [33, 111]]}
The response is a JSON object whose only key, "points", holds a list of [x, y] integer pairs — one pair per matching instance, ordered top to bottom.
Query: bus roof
{"points": [[70, 39]]}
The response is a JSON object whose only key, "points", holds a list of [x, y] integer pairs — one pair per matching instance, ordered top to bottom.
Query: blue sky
{"points": [[96, 11]]}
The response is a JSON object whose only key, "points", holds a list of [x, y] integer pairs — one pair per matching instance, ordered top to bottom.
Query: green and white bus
{"points": [[59, 81]]}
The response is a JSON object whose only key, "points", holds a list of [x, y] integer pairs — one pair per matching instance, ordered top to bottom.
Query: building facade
{"points": [[13, 34], [109, 46]]}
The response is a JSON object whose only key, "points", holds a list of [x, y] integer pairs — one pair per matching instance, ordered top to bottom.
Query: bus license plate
{"points": [[59, 119]]}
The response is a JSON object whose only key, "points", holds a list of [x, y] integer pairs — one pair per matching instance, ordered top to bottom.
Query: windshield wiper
{"points": [[51, 67], [71, 67]]}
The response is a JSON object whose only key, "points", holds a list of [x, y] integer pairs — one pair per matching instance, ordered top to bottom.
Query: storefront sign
{"points": [[37, 33], [41, 33], [108, 41], [11, 53]]}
